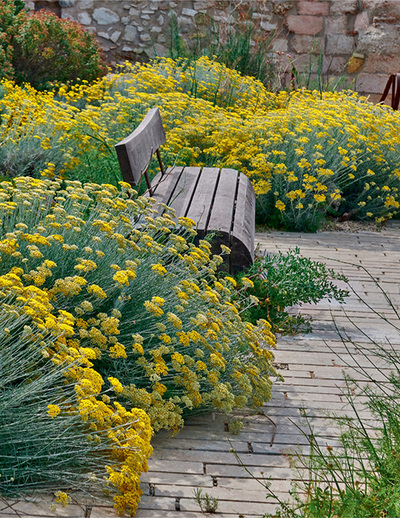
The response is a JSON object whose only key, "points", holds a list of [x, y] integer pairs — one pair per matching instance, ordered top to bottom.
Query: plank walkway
{"points": [[312, 364]]}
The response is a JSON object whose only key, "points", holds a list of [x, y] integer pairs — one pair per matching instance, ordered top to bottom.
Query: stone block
{"points": [[66, 3], [86, 4], [200, 4], [345, 6], [313, 8], [383, 8], [188, 12], [104, 16], [84, 18], [361, 22], [305, 24], [336, 25], [268, 27], [130, 33], [103, 35], [115, 36], [145, 37], [377, 40], [305, 44], [339, 44], [280, 45], [378, 63], [355, 64], [335, 65], [371, 83]]}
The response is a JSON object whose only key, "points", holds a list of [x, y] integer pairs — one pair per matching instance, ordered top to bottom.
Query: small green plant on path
{"points": [[284, 280], [360, 477], [207, 503]]}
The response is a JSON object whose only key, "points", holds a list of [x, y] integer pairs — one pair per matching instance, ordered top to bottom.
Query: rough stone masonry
{"points": [[358, 40]]}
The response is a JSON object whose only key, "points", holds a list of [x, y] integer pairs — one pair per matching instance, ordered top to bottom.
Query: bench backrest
{"points": [[135, 151]]}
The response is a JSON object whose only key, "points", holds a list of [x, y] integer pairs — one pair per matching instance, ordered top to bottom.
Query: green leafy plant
{"points": [[10, 17], [48, 49], [283, 280]]}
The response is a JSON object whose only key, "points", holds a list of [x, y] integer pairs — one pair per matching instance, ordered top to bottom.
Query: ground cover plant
{"points": [[310, 155], [113, 325]]}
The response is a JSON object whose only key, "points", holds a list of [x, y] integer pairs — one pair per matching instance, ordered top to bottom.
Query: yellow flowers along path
{"points": [[113, 325]]}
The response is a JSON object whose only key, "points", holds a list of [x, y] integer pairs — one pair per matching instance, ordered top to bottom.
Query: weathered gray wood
{"points": [[135, 151], [164, 186], [184, 190], [210, 197], [224, 202], [201, 204], [243, 231]]}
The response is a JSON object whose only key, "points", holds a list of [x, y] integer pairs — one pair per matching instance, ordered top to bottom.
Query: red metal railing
{"points": [[394, 82]]}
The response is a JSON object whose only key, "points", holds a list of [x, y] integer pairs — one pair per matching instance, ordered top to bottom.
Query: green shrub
{"points": [[10, 19], [41, 48], [48, 49], [284, 280]]}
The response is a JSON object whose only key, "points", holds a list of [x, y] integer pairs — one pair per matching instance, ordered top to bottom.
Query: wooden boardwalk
{"points": [[312, 365]]}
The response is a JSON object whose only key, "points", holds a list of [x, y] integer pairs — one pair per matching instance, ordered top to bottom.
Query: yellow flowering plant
{"points": [[308, 154], [131, 312], [47, 440]]}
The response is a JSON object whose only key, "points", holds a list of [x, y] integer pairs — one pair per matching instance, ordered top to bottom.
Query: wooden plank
{"points": [[135, 151], [164, 186], [182, 194], [224, 202], [200, 206], [244, 220]]}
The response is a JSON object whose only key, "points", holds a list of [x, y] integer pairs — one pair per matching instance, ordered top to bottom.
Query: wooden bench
{"points": [[220, 201]]}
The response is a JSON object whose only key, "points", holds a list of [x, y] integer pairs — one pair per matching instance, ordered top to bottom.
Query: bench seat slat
{"points": [[164, 185], [182, 194], [224, 202], [200, 207], [243, 231]]}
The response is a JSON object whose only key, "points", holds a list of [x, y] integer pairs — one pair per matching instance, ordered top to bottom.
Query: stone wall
{"points": [[358, 39]]}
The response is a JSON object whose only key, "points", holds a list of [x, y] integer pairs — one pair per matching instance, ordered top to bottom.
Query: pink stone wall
{"points": [[353, 42]]}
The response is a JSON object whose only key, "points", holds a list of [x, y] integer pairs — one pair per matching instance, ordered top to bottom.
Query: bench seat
{"points": [[221, 202]]}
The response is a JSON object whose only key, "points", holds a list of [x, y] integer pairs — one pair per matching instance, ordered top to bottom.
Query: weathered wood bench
{"points": [[220, 201]]}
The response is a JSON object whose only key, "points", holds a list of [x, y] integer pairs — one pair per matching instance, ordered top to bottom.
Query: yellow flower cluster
{"points": [[305, 152], [134, 310]]}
